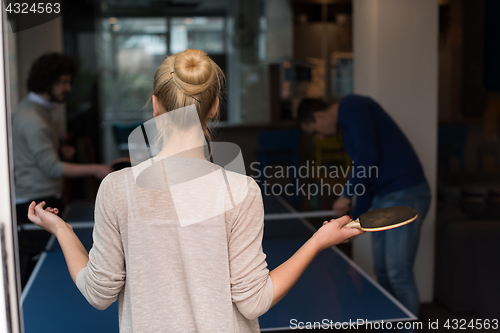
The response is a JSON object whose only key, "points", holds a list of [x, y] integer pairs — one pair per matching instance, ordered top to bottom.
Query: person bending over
{"points": [[386, 172]]}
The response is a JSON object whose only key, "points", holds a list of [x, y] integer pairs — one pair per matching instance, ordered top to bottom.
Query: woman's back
{"points": [[190, 247]]}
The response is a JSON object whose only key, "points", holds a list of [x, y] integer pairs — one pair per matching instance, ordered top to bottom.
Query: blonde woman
{"points": [[210, 276]]}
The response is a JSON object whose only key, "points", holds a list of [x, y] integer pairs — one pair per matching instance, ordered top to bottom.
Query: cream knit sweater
{"points": [[169, 276]]}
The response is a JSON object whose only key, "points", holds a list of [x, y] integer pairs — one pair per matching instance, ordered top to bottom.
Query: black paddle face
{"points": [[387, 218]]}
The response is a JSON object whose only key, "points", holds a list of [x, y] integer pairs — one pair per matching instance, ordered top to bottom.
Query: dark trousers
{"points": [[32, 242]]}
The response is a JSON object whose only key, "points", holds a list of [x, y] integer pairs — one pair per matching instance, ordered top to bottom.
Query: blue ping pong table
{"points": [[333, 288]]}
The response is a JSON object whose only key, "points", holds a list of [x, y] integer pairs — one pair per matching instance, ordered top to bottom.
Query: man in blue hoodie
{"points": [[374, 142]]}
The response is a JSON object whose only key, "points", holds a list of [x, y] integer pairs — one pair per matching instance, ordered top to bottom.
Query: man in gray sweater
{"points": [[38, 168]]}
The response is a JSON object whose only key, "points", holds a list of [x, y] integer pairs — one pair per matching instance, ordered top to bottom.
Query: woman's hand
{"points": [[45, 218], [332, 233]]}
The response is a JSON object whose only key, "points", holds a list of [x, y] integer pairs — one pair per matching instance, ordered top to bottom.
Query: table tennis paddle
{"points": [[120, 163], [384, 219]]}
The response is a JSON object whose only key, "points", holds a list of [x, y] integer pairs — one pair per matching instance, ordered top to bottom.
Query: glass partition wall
{"points": [[131, 48]]}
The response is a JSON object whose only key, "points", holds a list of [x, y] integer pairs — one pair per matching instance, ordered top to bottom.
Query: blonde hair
{"points": [[186, 78]]}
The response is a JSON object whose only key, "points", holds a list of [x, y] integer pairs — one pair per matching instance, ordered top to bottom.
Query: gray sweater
{"points": [[37, 168], [171, 275]]}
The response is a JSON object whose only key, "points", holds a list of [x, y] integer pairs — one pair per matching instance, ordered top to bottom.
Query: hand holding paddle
{"points": [[384, 219], [379, 220], [333, 232]]}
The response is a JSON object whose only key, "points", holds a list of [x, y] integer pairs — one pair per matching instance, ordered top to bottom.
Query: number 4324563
{"points": [[35, 8], [462, 324]]}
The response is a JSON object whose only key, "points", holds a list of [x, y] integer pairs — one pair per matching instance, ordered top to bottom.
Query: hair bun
{"points": [[193, 67]]}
